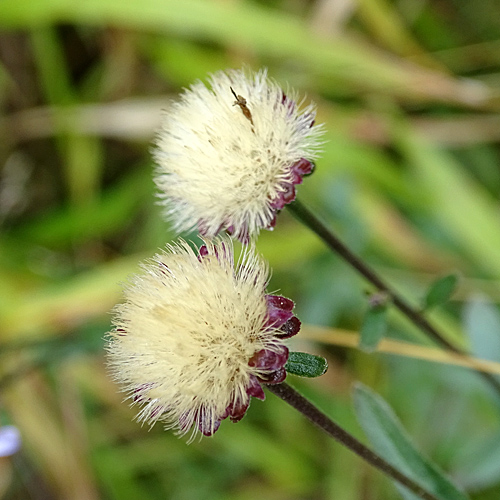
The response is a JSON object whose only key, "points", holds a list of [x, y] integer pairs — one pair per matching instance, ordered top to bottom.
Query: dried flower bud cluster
{"points": [[229, 157], [196, 336]]}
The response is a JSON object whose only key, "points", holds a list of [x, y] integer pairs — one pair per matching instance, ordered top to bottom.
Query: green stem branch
{"points": [[414, 315]]}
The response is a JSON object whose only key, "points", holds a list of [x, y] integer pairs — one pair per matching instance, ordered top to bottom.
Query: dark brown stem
{"points": [[413, 314], [317, 417]]}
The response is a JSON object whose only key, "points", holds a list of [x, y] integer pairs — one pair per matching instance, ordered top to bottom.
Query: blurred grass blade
{"points": [[388, 26], [266, 31], [82, 156], [114, 209], [465, 209], [440, 291], [50, 308], [347, 338], [391, 441]]}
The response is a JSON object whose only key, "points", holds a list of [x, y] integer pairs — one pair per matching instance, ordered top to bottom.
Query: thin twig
{"points": [[413, 314], [317, 417]]}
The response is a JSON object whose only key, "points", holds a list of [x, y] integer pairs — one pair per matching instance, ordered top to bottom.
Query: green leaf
{"points": [[440, 291], [373, 328], [304, 364], [392, 442], [477, 464]]}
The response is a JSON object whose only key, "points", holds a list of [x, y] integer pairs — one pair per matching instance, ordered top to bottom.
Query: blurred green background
{"points": [[409, 92]]}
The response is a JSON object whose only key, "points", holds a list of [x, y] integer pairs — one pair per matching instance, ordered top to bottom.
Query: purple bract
{"points": [[270, 363]]}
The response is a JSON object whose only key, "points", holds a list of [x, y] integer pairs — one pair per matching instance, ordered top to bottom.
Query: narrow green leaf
{"points": [[440, 291], [373, 328], [304, 364], [392, 442]]}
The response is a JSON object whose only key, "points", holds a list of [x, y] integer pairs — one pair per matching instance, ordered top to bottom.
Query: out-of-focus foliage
{"points": [[409, 92]]}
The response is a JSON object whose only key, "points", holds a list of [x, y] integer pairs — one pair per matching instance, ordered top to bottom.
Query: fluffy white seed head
{"points": [[219, 165], [185, 333]]}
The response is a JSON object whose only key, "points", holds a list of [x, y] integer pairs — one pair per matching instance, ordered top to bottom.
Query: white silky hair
{"points": [[186, 331]]}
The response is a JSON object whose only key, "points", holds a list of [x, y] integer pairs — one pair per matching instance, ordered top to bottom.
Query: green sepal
{"points": [[304, 364]]}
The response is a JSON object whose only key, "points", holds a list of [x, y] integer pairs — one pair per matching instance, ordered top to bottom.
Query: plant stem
{"points": [[413, 314], [317, 417]]}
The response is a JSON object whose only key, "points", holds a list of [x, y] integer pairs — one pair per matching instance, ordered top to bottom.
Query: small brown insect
{"points": [[242, 103]]}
